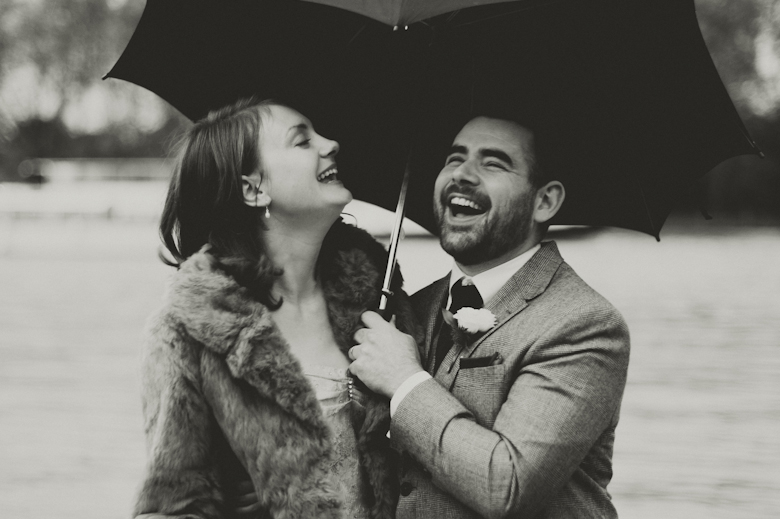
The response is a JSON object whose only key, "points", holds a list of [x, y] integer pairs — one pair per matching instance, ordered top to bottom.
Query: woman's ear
{"points": [[253, 194], [549, 199]]}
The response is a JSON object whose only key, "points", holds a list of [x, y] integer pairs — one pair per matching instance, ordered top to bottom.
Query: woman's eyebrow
{"points": [[301, 127]]}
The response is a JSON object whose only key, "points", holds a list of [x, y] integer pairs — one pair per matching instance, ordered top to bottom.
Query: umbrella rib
{"points": [[351, 40], [748, 138], [647, 211]]}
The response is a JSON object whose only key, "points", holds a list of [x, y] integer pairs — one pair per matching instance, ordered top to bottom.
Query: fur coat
{"points": [[224, 397]]}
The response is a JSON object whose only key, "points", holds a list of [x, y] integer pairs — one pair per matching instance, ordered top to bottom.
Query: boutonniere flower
{"points": [[475, 320], [468, 323]]}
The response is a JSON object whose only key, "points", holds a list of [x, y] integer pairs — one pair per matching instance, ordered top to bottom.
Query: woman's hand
{"points": [[241, 499]]}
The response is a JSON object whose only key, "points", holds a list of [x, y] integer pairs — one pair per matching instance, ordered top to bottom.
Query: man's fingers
{"points": [[372, 319], [361, 335], [352, 353]]}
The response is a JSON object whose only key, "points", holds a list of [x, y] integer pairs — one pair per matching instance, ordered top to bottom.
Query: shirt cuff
{"points": [[405, 387]]}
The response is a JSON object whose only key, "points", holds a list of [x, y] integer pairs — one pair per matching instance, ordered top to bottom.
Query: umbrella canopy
{"points": [[624, 91]]}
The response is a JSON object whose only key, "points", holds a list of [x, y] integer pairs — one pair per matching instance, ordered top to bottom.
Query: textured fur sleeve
{"points": [[405, 317], [180, 480]]}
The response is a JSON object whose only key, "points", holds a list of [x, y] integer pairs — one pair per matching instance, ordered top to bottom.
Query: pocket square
{"points": [[481, 362]]}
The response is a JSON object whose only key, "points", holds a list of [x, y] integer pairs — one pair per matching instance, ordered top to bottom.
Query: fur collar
{"points": [[219, 313]]}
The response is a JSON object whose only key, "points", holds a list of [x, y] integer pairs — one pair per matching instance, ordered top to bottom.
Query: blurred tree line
{"points": [[54, 104]]}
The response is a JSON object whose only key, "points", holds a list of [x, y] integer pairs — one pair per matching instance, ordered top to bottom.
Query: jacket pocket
{"points": [[481, 362], [482, 390]]}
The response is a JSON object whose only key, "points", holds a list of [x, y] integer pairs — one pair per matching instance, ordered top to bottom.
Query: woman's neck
{"points": [[295, 251]]}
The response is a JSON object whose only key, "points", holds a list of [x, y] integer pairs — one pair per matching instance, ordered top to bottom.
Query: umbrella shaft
{"points": [[394, 239]]}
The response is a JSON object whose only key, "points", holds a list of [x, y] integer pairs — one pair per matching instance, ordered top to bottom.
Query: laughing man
{"points": [[509, 407]]}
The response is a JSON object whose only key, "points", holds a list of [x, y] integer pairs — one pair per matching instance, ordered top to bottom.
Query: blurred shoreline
{"points": [[142, 201]]}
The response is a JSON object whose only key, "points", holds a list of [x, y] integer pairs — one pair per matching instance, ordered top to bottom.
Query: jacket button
{"points": [[406, 488]]}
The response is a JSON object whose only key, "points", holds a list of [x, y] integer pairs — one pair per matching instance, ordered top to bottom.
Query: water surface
{"points": [[699, 435]]}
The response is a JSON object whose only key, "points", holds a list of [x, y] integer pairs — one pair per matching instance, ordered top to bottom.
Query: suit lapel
{"points": [[525, 285]]}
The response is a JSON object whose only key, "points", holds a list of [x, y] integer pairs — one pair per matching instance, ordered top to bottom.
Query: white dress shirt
{"points": [[488, 283]]}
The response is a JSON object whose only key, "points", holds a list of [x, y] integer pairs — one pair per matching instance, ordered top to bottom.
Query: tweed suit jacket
{"points": [[521, 421]]}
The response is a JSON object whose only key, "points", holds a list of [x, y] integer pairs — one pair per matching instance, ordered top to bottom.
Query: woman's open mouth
{"points": [[329, 175]]}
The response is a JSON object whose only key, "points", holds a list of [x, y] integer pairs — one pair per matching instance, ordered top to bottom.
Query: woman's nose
{"points": [[329, 148]]}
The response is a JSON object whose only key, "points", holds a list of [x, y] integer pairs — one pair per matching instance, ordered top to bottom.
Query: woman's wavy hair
{"points": [[205, 202]]}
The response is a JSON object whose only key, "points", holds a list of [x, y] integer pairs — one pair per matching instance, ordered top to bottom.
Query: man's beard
{"points": [[489, 239]]}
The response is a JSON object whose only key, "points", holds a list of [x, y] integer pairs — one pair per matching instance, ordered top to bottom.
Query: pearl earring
{"points": [[257, 201]]}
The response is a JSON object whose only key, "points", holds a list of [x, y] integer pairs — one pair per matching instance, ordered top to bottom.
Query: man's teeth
{"points": [[327, 174], [464, 202]]}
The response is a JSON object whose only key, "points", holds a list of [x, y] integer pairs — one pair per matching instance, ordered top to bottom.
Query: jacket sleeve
{"points": [[559, 404], [180, 479]]}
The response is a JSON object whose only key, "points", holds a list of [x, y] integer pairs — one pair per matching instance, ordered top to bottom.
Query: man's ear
{"points": [[253, 192], [549, 199]]}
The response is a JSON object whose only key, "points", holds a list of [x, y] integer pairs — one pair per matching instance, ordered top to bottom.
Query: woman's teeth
{"points": [[328, 175]]}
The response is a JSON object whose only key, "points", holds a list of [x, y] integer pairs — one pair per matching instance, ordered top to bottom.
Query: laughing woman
{"points": [[245, 368]]}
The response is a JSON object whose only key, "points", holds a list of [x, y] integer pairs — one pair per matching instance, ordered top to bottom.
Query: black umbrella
{"points": [[626, 86], [625, 89]]}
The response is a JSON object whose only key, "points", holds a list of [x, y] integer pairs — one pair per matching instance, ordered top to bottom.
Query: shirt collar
{"points": [[490, 282]]}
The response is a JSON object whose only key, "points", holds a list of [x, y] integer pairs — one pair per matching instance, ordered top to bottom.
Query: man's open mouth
{"points": [[329, 175], [462, 206]]}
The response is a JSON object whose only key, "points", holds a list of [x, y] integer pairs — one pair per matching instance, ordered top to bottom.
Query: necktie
{"points": [[463, 293]]}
